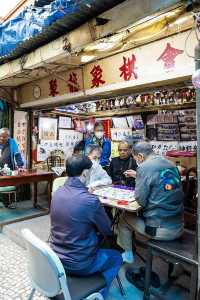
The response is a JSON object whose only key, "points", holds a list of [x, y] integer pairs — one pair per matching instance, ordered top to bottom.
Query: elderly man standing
{"points": [[9, 151], [159, 191], [77, 218]]}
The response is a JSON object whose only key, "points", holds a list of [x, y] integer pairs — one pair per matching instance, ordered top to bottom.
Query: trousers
{"points": [[130, 222], [108, 262]]}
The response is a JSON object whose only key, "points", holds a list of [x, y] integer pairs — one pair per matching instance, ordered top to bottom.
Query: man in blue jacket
{"points": [[105, 144], [9, 151], [77, 219]]}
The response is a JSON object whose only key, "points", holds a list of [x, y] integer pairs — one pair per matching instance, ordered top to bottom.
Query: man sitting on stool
{"points": [[159, 191], [76, 219]]}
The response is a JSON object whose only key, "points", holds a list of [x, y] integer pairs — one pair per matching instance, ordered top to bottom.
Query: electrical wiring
{"points": [[196, 29]]}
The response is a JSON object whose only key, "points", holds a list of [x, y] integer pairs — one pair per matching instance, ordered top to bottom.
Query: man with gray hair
{"points": [[9, 151], [159, 192]]}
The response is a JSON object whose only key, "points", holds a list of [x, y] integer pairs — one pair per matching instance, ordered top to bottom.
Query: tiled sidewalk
{"points": [[14, 281], [15, 284]]}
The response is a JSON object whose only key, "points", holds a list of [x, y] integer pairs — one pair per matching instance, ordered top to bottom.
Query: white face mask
{"points": [[99, 134], [95, 162]]}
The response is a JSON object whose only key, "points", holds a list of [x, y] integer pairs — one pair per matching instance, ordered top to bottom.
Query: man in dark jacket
{"points": [[9, 151], [121, 165], [159, 191], [76, 219]]}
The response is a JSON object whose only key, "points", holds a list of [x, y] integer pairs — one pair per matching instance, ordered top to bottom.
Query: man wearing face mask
{"points": [[104, 143], [98, 176], [159, 192], [77, 217]]}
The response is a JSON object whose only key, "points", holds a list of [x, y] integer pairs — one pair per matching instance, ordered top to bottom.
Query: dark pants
{"points": [[108, 262]]}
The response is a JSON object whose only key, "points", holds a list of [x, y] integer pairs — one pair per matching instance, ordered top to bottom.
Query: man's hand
{"points": [[130, 173]]}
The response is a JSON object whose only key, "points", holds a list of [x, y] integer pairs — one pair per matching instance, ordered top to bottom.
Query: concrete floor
{"points": [[23, 211]]}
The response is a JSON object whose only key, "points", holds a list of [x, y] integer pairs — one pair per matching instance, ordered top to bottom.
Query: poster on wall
{"points": [[65, 122], [120, 122], [135, 122], [48, 129], [20, 130], [121, 134], [69, 138], [46, 147]]}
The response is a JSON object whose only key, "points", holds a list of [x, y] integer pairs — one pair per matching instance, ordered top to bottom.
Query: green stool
{"points": [[10, 190]]}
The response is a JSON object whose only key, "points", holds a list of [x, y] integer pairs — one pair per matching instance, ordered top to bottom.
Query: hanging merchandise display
{"points": [[153, 99]]}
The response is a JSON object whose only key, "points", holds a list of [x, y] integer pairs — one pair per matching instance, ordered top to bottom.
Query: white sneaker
{"points": [[128, 257]]}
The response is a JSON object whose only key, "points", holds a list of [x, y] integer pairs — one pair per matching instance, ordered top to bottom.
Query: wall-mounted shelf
{"points": [[126, 111]]}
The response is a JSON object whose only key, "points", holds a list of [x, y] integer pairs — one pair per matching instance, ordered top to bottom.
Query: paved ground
{"points": [[14, 281]]}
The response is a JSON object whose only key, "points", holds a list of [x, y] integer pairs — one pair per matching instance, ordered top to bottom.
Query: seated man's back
{"points": [[159, 192], [75, 217]]}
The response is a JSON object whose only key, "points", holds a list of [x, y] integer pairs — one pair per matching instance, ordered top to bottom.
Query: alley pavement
{"points": [[14, 281]]}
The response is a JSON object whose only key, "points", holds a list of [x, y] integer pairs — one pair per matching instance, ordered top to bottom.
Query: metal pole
{"points": [[197, 66]]}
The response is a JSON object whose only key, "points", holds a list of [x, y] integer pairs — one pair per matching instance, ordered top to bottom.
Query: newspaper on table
{"points": [[117, 193]]}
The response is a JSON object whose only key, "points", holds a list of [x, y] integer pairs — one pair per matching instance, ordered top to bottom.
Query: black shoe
{"points": [[137, 278]]}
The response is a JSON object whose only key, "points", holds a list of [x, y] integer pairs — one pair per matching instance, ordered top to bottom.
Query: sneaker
{"points": [[128, 257]]}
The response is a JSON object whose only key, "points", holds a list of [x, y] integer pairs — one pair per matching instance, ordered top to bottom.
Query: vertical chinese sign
{"points": [[20, 131]]}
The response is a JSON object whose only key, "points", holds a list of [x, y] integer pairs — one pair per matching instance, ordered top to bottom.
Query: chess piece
{"points": [[138, 101]]}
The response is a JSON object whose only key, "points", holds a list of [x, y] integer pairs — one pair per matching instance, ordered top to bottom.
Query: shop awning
{"points": [[36, 26]]}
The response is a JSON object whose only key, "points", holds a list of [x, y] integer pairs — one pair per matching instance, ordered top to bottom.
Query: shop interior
{"points": [[164, 116]]}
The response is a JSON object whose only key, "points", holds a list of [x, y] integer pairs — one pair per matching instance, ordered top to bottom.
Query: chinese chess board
{"points": [[115, 193]]}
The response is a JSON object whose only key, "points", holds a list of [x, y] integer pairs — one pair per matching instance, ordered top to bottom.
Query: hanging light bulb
{"points": [[196, 79]]}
